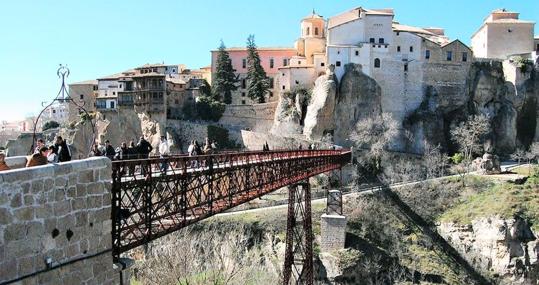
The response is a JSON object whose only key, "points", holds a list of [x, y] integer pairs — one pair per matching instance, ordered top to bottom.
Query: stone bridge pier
{"points": [[333, 224], [55, 225]]}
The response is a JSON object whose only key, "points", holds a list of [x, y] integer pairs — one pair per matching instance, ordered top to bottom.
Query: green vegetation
{"points": [[225, 80], [258, 83], [205, 108], [50, 125], [220, 135], [457, 158], [504, 200]]}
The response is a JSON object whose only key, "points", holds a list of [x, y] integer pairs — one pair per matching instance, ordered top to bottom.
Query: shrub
{"points": [[50, 125], [220, 135], [457, 158]]}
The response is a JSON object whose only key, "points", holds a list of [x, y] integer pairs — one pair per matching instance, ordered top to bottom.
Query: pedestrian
{"points": [[40, 143], [214, 145], [207, 147], [310, 147], [61, 148], [143, 149], [198, 149], [109, 150], [94, 151], [122, 152], [164, 152], [131, 154], [52, 156], [39, 158], [3, 165]]}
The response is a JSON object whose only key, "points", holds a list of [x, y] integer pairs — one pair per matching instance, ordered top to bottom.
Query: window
{"points": [[509, 30], [308, 31], [316, 31], [398, 33], [371, 40], [381, 40], [398, 48], [411, 49], [357, 52], [427, 54], [449, 55], [464, 56], [271, 62], [285, 62], [299, 62], [244, 63], [338, 63], [377, 63], [322, 64], [406, 67], [244, 83], [120, 85], [271, 85], [95, 86], [283, 87], [113, 93], [242, 94], [271, 94], [81, 96], [176, 101], [243, 102], [112, 104]]}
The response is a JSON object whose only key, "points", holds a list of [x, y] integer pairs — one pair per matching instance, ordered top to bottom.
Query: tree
{"points": [[225, 79], [258, 83], [50, 125], [374, 135], [469, 135], [534, 151], [518, 155], [434, 160]]}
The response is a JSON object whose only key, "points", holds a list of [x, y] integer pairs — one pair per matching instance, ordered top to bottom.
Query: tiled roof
{"points": [[353, 14], [87, 82]]}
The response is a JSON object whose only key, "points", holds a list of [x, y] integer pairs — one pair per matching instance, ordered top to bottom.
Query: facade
{"points": [[503, 34], [402, 59], [271, 60], [108, 88], [83, 93], [58, 111]]}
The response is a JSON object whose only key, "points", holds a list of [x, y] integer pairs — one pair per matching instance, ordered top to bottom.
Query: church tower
{"points": [[313, 37]]}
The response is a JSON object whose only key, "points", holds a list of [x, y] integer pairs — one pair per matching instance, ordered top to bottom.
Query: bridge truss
{"points": [[157, 196]]}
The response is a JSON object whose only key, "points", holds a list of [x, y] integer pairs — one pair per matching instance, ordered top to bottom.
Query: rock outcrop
{"points": [[359, 97], [290, 113], [319, 118], [488, 164], [507, 248]]}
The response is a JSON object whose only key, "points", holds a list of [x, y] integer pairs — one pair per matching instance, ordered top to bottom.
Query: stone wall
{"points": [[258, 117], [55, 224]]}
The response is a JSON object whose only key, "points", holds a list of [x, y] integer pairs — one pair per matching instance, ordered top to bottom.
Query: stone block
{"points": [[63, 169], [86, 176], [72, 179], [60, 182], [48, 184], [37, 186], [26, 187], [95, 188], [81, 190], [71, 192], [59, 194], [28, 200], [16, 201], [94, 202], [78, 204], [61, 208], [43, 211], [24, 214], [5, 216], [81, 219], [34, 229], [14, 232], [332, 232], [26, 265], [8, 269]]}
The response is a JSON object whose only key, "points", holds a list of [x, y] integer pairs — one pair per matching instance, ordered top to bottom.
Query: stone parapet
{"points": [[55, 224]]}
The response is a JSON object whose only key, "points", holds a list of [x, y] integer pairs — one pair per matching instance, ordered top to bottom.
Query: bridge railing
{"points": [[155, 196]]}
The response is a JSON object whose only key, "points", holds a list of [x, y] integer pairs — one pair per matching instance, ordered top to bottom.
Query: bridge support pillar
{"points": [[333, 224], [298, 265]]}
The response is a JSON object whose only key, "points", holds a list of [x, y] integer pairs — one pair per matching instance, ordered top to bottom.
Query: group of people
{"points": [[195, 148], [57, 152], [124, 152]]}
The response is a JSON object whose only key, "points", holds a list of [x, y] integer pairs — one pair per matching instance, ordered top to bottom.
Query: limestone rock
{"points": [[359, 97], [290, 113], [319, 117], [488, 164]]}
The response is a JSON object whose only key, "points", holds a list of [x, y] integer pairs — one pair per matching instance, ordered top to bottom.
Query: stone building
{"points": [[503, 34], [271, 59], [108, 88], [84, 94]]}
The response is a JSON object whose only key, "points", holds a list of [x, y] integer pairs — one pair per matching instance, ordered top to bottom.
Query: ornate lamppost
{"points": [[63, 97]]}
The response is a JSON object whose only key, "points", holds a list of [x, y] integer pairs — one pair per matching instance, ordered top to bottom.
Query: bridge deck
{"points": [[157, 196]]}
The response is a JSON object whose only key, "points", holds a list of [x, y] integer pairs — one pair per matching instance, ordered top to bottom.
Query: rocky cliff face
{"points": [[319, 118], [504, 248]]}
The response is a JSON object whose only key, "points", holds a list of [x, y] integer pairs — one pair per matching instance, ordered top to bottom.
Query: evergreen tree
{"points": [[256, 76], [225, 80]]}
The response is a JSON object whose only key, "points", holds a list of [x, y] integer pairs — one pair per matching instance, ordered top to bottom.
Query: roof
{"points": [[354, 14], [313, 15], [509, 21], [428, 35], [259, 48], [148, 65], [149, 74], [116, 76], [175, 80], [87, 82]]}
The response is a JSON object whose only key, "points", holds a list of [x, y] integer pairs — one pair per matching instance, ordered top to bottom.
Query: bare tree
{"points": [[374, 135], [469, 135], [534, 150], [518, 155], [434, 160]]}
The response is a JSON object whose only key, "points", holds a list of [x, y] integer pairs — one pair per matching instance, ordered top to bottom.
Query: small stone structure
{"points": [[55, 224], [333, 224]]}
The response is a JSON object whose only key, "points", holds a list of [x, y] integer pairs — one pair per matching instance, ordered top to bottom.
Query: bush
{"points": [[205, 108], [50, 125], [220, 135], [457, 158]]}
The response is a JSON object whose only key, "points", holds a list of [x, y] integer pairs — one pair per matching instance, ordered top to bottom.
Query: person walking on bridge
{"points": [[143, 149], [109, 150], [63, 151], [164, 152]]}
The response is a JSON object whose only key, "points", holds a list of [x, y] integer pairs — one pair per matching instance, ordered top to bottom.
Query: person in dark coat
{"points": [[144, 148], [109, 150], [63, 151], [132, 153]]}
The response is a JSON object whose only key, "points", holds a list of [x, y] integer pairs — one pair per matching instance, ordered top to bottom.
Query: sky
{"points": [[101, 37]]}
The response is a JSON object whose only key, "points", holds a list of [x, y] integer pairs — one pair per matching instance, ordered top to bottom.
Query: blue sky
{"points": [[101, 37]]}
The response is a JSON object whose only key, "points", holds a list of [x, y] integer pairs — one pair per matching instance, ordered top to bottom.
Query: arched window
{"points": [[308, 31], [316, 31], [377, 63]]}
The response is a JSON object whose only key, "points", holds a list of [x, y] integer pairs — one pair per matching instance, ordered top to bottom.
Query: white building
{"points": [[503, 34], [58, 111]]}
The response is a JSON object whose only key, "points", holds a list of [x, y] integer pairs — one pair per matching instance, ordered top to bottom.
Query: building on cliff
{"points": [[503, 34], [84, 93]]}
